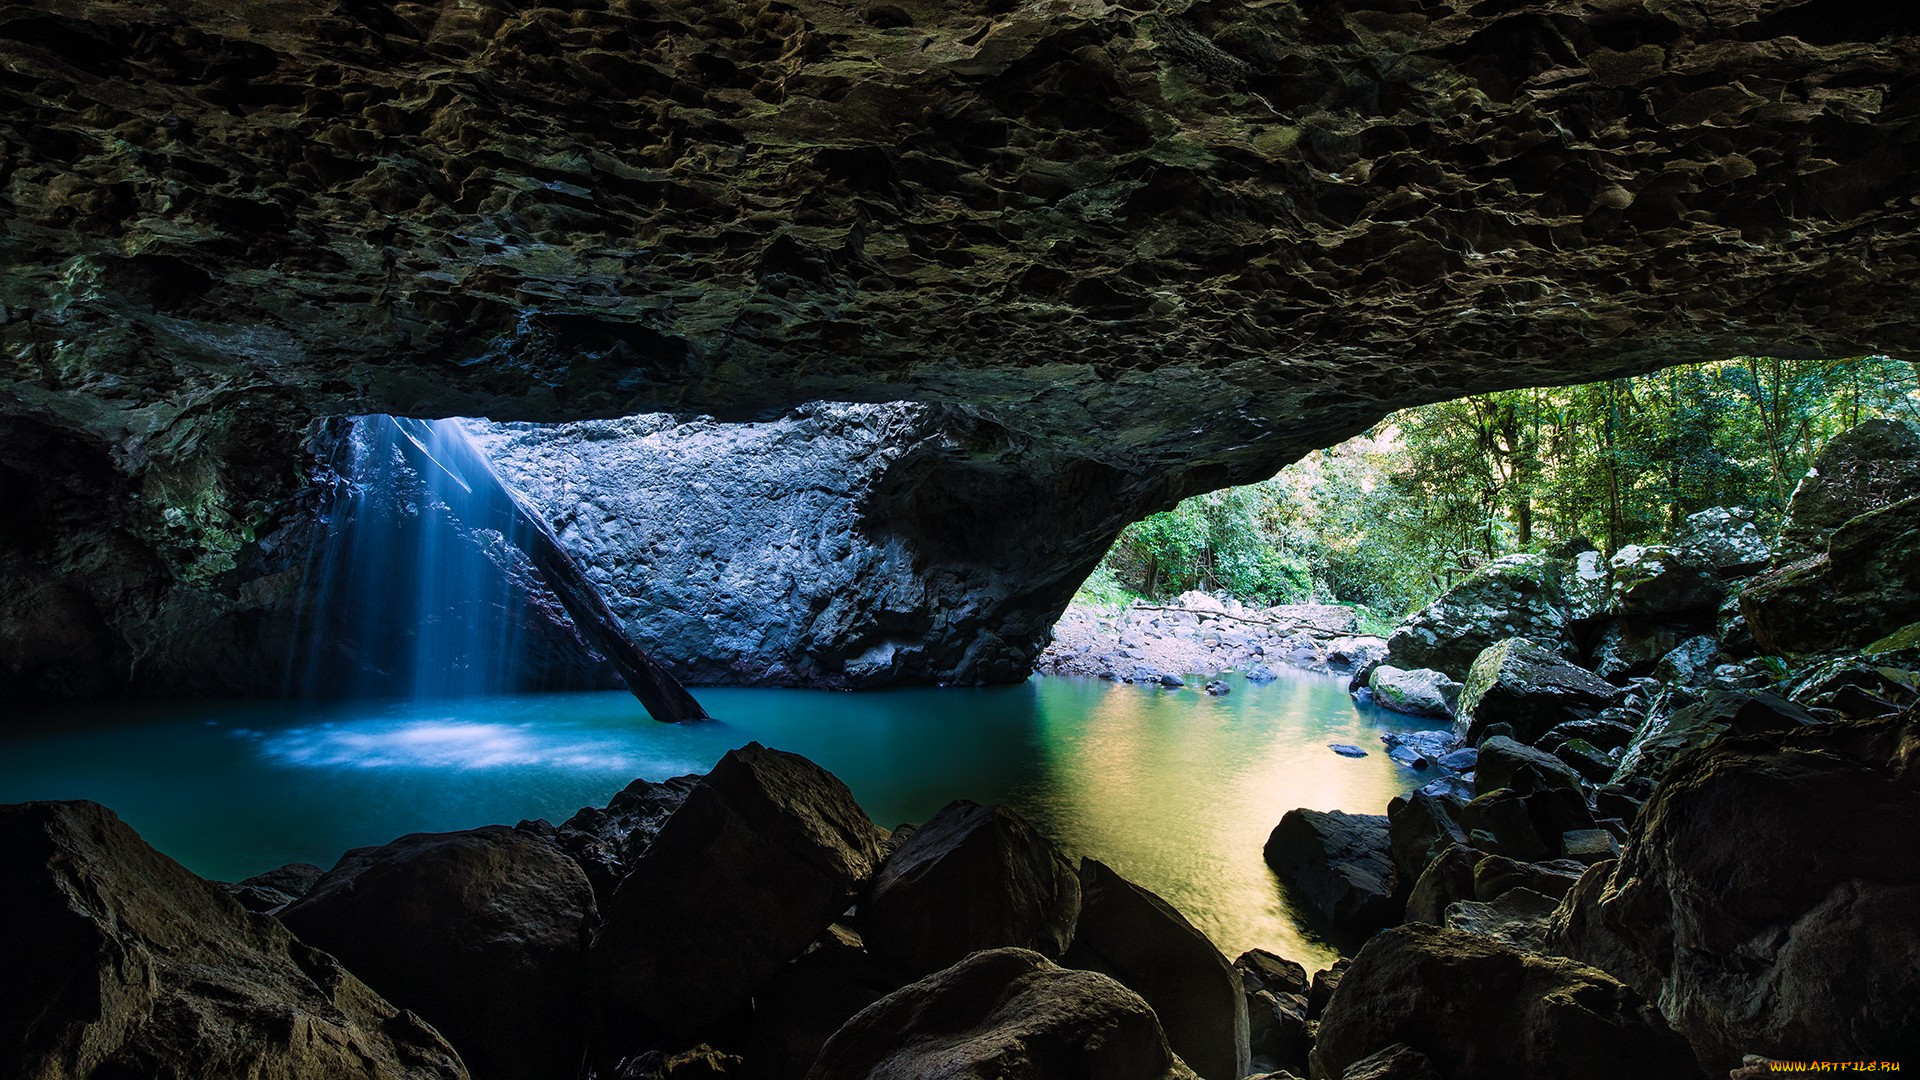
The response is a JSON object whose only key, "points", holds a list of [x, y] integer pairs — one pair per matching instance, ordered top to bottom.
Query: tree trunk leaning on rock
{"points": [[662, 695]]}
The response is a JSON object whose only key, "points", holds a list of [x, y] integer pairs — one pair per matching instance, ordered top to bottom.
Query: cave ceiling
{"points": [[1178, 240]]}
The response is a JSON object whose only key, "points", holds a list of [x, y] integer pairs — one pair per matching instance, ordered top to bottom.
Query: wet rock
{"points": [[1863, 469], [1655, 579], [1865, 586], [1512, 596], [1690, 663], [1528, 688], [1423, 692], [1602, 733], [1346, 750], [1586, 759], [1505, 763], [606, 841], [767, 849], [1338, 865], [973, 877], [275, 889], [1770, 895], [483, 933], [1129, 933], [122, 963], [1476, 1007], [1006, 1013]]}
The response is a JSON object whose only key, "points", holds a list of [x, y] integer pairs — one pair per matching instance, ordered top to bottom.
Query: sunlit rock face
{"points": [[1131, 252], [801, 551]]}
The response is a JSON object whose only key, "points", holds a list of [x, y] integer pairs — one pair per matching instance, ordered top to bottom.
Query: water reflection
{"points": [[1176, 790]]}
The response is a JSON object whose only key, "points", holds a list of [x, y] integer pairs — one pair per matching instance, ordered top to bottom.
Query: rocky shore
{"points": [[1203, 636]]}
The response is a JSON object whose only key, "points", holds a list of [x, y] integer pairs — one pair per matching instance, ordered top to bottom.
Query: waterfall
{"points": [[421, 585]]}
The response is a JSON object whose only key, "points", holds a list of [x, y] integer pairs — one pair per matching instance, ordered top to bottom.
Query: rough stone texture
{"points": [[1135, 252], [1860, 470], [1723, 539], [780, 552], [1654, 579], [1865, 586], [1512, 596], [1629, 646], [1518, 683], [1421, 692], [1668, 734], [1503, 761], [1420, 827], [606, 841], [767, 849], [1339, 865], [973, 877], [1449, 877], [268, 892], [1770, 895], [1517, 918], [483, 933], [1129, 933], [119, 962], [1262, 970], [1479, 1008], [1003, 1014]]}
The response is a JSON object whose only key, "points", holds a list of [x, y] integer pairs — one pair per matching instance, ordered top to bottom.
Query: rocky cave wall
{"points": [[1126, 253]]}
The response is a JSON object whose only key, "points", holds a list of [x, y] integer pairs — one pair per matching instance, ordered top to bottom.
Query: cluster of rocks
{"points": [[1197, 634], [1632, 782], [751, 922]]}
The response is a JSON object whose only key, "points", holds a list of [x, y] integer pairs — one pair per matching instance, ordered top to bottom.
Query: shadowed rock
{"points": [[1530, 689], [766, 850], [1338, 864], [973, 877], [1770, 895], [483, 933], [1129, 933], [121, 963], [1477, 1008], [1005, 1014]]}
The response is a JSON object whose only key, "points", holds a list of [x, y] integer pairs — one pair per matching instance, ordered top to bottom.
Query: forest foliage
{"points": [[1389, 519]]}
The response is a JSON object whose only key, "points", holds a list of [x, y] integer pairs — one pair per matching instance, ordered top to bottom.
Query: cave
{"points": [[378, 375]]}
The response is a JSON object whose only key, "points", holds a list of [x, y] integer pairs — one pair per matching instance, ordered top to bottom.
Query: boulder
{"points": [[1858, 471], [1723, 540], [1655, 579], [1865, 586], [1512, 596], [1631, 645], [1690, 663], [1518, 683], [1421, 692], [1603, 733], [1666, 735], [1586, 759], [1507, 764], [1420, 827], [1525, 827], [606, 841], [767, 849], [1337, 865], [1495, 875], [973, 877], [1449, 877], [269, 892], [1770, 895], [1517, 918], [483, 933], [1131, 934], [121, 963], [1262, 970], [1325, 982], [811, 998], [1478, 1008], [1010, 1014], [1278, 1029], [1396, 1062]]}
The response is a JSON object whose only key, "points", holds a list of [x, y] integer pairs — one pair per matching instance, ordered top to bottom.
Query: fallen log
{"points": [[443, 446]]}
